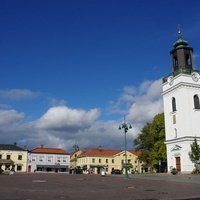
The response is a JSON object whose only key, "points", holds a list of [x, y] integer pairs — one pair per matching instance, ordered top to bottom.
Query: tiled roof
{"points": [[11, 147], [49, 151], [98, 152], [137, 153]]}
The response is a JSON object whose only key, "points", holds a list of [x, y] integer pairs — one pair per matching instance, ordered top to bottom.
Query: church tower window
{"points": [[187, 59], [175, 61], [196, 102], [173, 104]]}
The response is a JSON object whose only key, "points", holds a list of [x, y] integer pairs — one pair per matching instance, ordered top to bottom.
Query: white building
{"points": [[181, 92], [48, 160]]}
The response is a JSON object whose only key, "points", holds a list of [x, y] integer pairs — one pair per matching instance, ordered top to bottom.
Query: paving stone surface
{"points": [[57, 186]]}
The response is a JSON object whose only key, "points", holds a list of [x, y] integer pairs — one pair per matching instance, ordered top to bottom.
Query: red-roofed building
{"points": [[48, 160], [93, 160]]}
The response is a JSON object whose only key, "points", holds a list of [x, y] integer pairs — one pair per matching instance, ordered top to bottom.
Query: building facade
{"points": [[181, 92], [13, 158], [48, 160], [93, 160]]}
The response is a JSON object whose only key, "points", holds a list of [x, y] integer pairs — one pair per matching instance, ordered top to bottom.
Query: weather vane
{"points": [[179, 31]]}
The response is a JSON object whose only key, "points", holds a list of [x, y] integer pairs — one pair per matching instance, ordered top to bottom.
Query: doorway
{"points": [[178, 164]]}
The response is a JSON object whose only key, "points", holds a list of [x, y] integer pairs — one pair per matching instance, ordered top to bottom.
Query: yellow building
{"points": [[13, 158], [73, 159], [93, 160]]}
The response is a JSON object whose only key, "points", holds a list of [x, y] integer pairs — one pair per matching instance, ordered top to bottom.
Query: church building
{"points": [[181, 93]]}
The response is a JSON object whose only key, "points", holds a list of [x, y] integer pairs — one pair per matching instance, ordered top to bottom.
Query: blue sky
{"points": [[71, 69]]}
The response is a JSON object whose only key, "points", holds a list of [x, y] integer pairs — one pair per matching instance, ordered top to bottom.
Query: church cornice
{"points": [[181, 85], [182, 139]]}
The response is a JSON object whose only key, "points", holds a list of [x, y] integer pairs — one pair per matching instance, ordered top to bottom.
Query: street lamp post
{"points": [[126, 127], [76, 147]]}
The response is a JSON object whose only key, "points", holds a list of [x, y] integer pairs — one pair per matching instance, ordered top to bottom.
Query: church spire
{"points": [[181, 54]]}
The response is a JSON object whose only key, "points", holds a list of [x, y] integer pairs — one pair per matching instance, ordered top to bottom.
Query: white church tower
{"points": [[181, 93]]}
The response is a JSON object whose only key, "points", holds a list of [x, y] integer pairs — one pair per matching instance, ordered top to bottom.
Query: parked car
{"points": [[116, 171]]}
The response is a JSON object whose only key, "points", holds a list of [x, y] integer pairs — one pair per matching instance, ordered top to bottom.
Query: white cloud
{"points": [[17, 94], [139, 100], [56, 102], [145, 107], [8, 117], [62, 117], [62, 126]]}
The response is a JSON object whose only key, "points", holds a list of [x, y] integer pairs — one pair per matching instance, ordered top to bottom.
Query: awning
{"points": [[6, 162], [54, 166], [98, 166]]}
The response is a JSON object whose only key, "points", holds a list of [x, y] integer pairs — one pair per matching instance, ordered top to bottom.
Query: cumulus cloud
{"points": [[17, 94], [138, 100], [56, 102], [150, 103], [8, 117], [62, 117], [62, 126]]}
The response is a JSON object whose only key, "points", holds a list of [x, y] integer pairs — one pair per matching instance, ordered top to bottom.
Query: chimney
{"points": [[15, 143], [42, 146], [25, 147], [100, 148]]}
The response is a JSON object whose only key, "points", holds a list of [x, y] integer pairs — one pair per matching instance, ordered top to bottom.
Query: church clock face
{"points": [[195, 76]]}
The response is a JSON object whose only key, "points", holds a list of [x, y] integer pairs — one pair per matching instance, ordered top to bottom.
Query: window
{"points": [[187, 59], [175, 63], [196, 102], [173, 104], [174, 119], [175, 133], [0, 156], [8, 157], [19, 157], [41, 158], [33, 159], [49, 159], [58, 159], [64, 159], [93, 160], [99, 160], [106, 160], [113, 161], [135, 161], [122, 162], [19, 168]]}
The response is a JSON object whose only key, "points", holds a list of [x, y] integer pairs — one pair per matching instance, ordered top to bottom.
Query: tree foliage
{"points": [[151, 142], [194, 154]]}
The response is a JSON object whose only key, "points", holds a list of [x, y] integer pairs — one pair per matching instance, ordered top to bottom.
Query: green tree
{"points": [[151, 142], [194, 154]]}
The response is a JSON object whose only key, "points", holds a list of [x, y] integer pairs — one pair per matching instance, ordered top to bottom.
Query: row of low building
{"points": [[41, 159]]}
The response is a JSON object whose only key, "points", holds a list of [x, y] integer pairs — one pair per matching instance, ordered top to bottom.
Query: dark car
{"points": [[116, 171]]}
